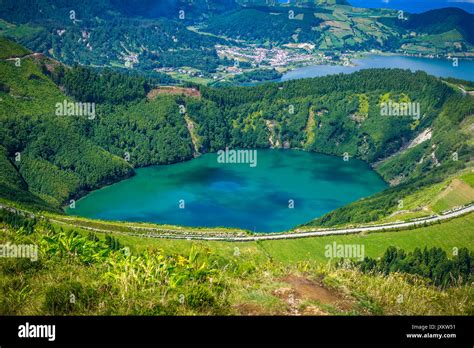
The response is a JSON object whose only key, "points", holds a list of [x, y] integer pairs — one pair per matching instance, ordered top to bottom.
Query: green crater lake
{"points": [[235, 195]]}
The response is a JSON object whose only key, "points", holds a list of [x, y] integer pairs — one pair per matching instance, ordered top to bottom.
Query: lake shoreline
{"points": [[440, 67], [210, 186], [83, 192]]}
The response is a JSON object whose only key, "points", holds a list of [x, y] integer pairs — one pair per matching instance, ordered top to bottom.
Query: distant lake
{"points": [[414, 6], [436, 67], [236, 195]]}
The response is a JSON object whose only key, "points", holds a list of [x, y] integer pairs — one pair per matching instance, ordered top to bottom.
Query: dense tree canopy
{"points": [[433, 264]]}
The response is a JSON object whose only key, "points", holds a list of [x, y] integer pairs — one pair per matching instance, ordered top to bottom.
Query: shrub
{"points": [[201, 297], [68, 298]]}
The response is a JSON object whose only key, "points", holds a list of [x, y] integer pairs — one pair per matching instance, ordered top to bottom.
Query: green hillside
{"points": [[441, 21], [339, 28], [146, 35], [9, 49], [63, 157]]}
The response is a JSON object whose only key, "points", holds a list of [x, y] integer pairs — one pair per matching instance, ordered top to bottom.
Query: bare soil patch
{"points": [[172, 90], [302, 289]]}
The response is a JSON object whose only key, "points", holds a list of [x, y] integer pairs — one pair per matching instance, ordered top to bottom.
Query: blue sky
{"points": [[415, 6]]}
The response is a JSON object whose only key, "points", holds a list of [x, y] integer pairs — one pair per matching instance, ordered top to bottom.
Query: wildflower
{"points": [[181, 260]]}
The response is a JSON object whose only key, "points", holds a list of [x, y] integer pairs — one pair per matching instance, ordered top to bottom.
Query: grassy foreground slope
{"points": [[83, 273]]}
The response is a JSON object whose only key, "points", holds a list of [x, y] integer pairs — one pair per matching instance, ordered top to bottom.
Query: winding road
{"points": [[296, 234], [268, 236]]}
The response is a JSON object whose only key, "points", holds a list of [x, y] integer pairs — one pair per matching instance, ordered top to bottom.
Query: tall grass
{"points": [[80, 275]]}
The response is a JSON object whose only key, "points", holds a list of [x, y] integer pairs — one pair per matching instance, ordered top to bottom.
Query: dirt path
{"points": [[303, 289]]}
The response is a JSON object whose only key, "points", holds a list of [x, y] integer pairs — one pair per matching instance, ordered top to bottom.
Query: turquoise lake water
{"points": [[236, 195]]}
